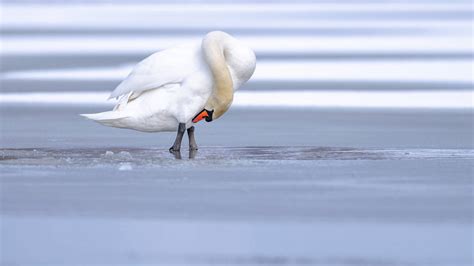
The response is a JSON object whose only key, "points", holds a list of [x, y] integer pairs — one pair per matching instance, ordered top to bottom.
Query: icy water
{"points": [[351, 145], [353, 187]]}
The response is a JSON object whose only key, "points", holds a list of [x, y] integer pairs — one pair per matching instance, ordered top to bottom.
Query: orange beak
{"points": [[203, 114]]}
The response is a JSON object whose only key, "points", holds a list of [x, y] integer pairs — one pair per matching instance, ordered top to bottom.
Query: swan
{"points": [[175, 88]]}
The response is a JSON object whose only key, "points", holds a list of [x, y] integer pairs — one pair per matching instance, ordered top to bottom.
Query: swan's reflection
{"points": [[192, 153], [177, 154]]}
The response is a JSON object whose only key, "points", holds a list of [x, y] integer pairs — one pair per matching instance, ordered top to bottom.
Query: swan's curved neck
{"points": [[214, 46]]}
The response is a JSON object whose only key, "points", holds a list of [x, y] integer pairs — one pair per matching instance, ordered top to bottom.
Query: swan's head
{"points": [[241, 61], [232, 64], [204, 114]]}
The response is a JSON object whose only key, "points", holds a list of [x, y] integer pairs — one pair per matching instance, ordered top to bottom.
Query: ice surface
{"points": [[212, 156], [125, 167], [318, 187], [237, 205], [171, 242]]}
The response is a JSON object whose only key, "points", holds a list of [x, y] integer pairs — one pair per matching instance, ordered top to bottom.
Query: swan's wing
{"points": [[168, 66]]}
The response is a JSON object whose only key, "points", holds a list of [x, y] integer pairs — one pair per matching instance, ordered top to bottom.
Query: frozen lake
{"points": [[352, 144], [335, 188]]}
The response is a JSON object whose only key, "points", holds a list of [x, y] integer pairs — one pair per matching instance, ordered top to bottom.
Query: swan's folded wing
{"points": [[161, 68]]}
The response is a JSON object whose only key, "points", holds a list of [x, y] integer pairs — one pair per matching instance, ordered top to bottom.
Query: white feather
{"points": [[172, 65], [171, 87]]}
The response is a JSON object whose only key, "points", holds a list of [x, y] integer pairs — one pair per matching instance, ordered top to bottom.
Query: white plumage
{"points": [[172, 86]]}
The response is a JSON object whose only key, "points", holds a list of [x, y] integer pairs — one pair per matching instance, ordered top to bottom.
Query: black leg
{"points": [[179, 136], [192, 141]]}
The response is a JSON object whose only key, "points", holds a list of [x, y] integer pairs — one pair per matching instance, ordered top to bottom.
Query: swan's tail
{"points": [[105, 116], [110, 118]]}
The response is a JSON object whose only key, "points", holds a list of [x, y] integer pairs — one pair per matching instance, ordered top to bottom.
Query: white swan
{"points": [[174, 88]]}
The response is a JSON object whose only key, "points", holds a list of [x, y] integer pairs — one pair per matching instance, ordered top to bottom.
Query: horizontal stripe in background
{"points": [[86, 44], [373, 54], [447, 70], [286, 99]]}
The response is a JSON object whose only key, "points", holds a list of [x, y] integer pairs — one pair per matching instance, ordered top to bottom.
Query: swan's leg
{"points": [[179, 136], [192, 141]]}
